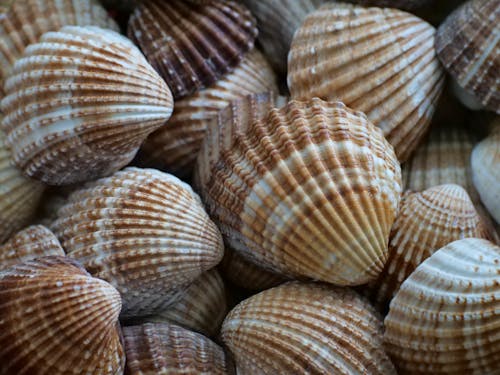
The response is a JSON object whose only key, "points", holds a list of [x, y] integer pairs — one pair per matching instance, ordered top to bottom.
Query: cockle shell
{"points": [[191, 44], [467, 44], [378, 61], [80, 103], [309, 191], [143, 231], [57, 319], [445, 319], [306, 328], [164, 349]]}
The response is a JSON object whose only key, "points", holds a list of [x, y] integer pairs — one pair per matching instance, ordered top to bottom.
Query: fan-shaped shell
{"points": [[192, 44], [378, 61], [80, 103], [142, 230], [445, 318], [57, 319], [306, 328]]}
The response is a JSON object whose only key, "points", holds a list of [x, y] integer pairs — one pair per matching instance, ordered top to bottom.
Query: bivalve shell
{"points": [[401, 4]]}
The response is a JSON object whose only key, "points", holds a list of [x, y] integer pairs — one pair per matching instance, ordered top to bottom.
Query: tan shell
{"points": [[467, 44], [192, 45], [378, 61], [80, 103], [174, 147], [142, 230], [445, 318], [57, 319], [306, 328], [165, 349]]}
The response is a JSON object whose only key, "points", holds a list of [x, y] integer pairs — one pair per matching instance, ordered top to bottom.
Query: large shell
{"points": [[192, 44], [467, 44], [378, 61], [80, 103], [175, 146], [310, 191], [144, 231], [57, 319], [445, 319], [306, 328]]}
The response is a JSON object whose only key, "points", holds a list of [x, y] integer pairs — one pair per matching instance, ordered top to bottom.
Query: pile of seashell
{"points": [[339, 208]]}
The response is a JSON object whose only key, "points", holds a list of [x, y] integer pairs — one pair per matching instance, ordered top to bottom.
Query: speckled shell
{"points": [[468, 44], [192, 45], [378, 61], [80, 103], [174, 147], [310, 191], [426, 222], [142, 230], [445, 318], [57, 319], [305, 328], [164, 349]]}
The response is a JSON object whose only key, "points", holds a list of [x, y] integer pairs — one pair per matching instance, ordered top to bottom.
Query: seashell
{"points": [[401, 4], [191, 44], [467, 44], [399, 91], [80, 103], [175, 146], [310, 191], [426, 222], [143, 231], [32, 242], [445, 318], [57, 319], [306, 328], [161, 348]]}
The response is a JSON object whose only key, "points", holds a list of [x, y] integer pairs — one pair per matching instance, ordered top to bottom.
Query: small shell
{"points": [[212, 40], [467, 44], [398, 91], [79, 105], [310, 191], [144, 231], [445, 318], [57, 319], [306, 328], [163, 349]]}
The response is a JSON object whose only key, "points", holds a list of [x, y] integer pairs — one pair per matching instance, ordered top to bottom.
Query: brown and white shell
{"points": [[468, 43], [192, 44], [378, 61], [80, 103], [309, 191], [143, 231], [57, 319], [445, 319], [300, 328], [164, 349]]}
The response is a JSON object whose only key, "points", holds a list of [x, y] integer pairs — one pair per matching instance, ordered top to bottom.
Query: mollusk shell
{"points": [[401, 4], [398, 91], [310, 191], [142, 230], [445, 318], [57, 319], [306, 328]]}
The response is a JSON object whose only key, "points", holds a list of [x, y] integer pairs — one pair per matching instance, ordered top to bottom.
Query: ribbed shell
{"points": [[401, 4], [468, 44], [192, 45], [378, 61], [80, 103], [174, 147], [310, 191], [142, 230], [445, 318], [57, 319], [305, 328], [165, 349]]}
